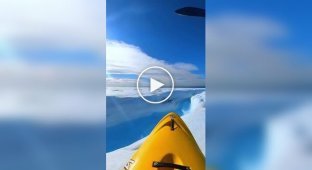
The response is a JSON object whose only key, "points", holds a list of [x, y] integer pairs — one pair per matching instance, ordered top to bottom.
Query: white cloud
{"points": [[69, 23], [240, 53], [123, 58], [185, 66], [112, 82], [50, 94], [288, 144]]}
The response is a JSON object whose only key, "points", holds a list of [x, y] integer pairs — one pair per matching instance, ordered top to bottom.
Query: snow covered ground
{"points": [[132, 91], [194, 117], [130, 119], [259, 131], [289, 140]]}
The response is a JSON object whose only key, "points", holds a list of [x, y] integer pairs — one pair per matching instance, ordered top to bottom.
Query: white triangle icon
{"points": [[154, 85]]}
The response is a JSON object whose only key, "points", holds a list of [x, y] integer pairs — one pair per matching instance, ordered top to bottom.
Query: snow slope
{"points": [[124, 107], [195, 120], [289, 140]]}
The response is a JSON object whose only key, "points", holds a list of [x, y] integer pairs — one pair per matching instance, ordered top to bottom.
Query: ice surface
{"points": [[132, 91], [126, 105], [195, 120], [259, 131], [289, 140]]}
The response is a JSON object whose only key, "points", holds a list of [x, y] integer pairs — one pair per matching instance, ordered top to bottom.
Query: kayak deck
{"points": [[169, 146]]}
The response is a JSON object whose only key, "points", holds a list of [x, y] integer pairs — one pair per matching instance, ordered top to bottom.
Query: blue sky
{"points": [[294, 15], [158, 31], [72, 35], [259, 44], [264, 44], [58, 49]]}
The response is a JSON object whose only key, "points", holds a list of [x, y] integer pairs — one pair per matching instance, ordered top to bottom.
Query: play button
{"points": [[155, 85]]}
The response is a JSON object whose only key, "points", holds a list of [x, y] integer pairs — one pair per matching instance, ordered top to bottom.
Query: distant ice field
{"points": [[130, 118]]}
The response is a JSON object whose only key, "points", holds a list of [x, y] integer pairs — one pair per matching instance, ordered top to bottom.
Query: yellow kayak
{"points": [[170, 146]]}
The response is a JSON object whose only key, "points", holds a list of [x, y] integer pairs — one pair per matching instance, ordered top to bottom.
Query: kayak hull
{"points": [[169, 146]]}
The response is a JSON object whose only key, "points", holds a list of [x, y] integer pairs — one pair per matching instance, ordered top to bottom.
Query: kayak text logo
{"points": [[128, 165]]}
